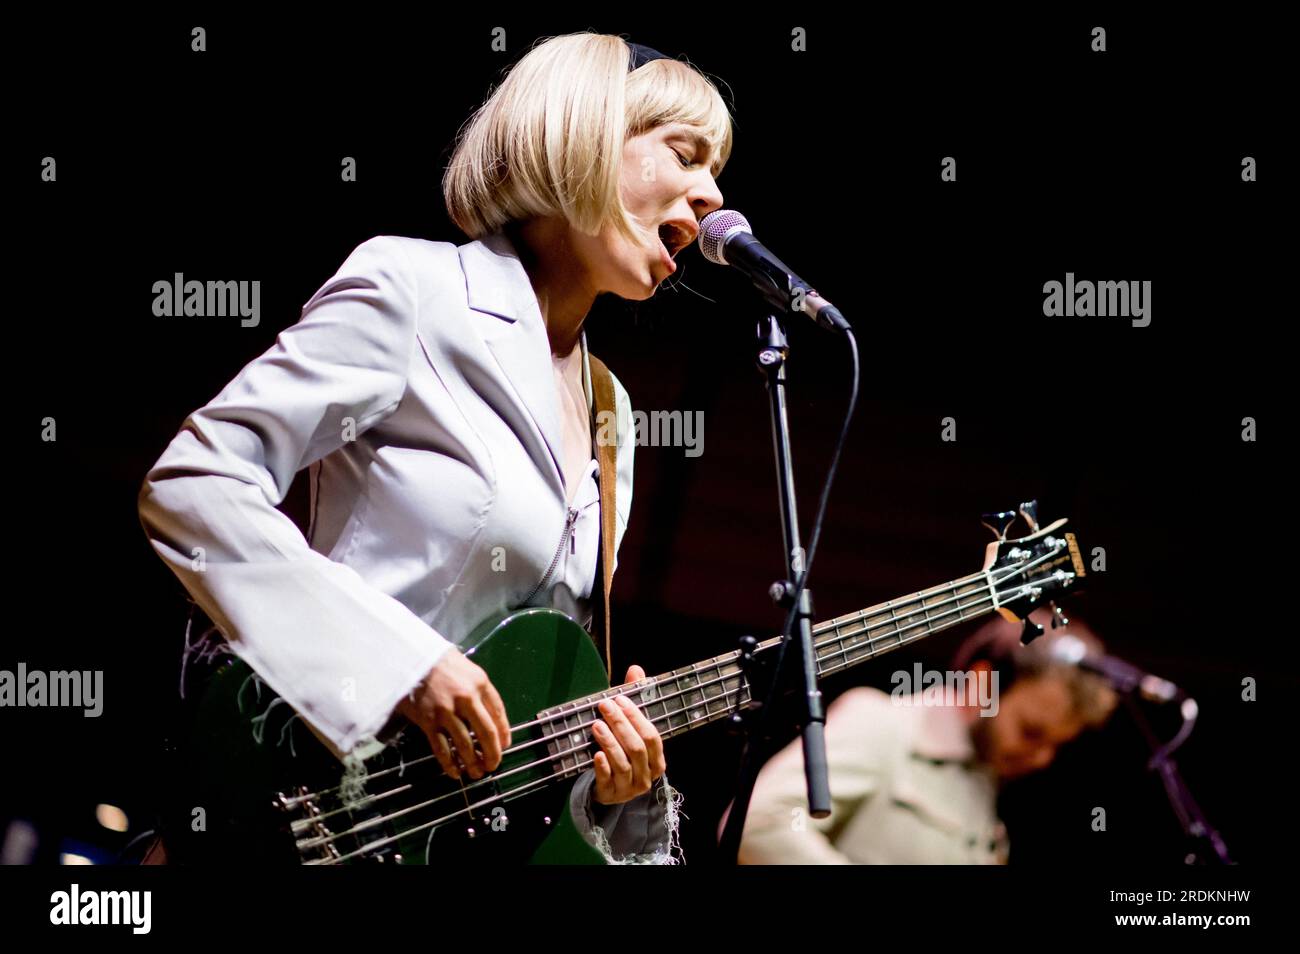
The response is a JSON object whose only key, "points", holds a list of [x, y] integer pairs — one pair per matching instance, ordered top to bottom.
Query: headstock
{"points": [[1030, 571]]}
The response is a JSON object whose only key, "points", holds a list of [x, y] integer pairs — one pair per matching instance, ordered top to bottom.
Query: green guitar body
{"points": [[248, 763]]}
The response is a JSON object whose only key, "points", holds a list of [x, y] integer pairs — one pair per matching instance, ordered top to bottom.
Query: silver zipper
{"points": [[564, 538]]}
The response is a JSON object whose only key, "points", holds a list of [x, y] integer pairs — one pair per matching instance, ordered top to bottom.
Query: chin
{"points": [[640, 290]]}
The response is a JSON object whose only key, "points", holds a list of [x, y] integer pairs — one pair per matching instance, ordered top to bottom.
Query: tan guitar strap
{"points": [[602, 387]]}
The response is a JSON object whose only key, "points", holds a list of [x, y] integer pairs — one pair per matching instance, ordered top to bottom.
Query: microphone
{"points": [[726, 239], [1123, 676]]}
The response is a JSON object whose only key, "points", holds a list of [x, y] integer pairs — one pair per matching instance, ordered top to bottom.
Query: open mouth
{"points": [[674, 238]]}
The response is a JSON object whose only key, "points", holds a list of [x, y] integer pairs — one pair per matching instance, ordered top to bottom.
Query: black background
{"points": [[1123, 165]]}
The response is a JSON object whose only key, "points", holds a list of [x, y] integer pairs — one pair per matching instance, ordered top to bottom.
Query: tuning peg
{"points": [[1029, 510], [998, 523], [1058, 618], [1031, 632]]}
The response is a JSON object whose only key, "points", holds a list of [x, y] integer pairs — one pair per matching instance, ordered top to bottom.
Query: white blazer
{"points": [[418, 385]]}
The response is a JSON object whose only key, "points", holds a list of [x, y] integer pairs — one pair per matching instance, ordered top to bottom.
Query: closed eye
{"points": [[684, 161]]}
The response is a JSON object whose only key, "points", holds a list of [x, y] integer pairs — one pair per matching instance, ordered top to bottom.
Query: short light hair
{"points": [[549, 140]]}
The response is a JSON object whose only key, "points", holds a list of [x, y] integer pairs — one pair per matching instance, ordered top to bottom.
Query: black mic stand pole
{"points": [[797, 669], [1199, 832]]}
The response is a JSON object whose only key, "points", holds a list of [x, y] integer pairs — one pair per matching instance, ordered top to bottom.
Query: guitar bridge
{"points": [[312, 836]]}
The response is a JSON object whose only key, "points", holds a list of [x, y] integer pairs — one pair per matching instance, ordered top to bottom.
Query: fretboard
{"points": [[707, 691]]}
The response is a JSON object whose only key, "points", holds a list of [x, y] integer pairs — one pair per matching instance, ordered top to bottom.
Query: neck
{"points": [[564, 293], [716, 688]]}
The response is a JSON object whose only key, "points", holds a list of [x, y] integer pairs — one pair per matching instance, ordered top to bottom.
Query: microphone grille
{"points": [[716, 228]]}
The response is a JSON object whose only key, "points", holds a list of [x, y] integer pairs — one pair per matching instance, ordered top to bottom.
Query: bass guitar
{"points": [[269, 791]]}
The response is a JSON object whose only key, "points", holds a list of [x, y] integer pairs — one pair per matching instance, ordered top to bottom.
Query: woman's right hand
{"points": [[455, 698]]}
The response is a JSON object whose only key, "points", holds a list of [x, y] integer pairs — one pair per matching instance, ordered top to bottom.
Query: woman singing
{"points": [[441, 396]]}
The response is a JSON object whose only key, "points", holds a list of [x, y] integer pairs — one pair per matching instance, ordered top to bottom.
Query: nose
{"points": [[704, 196]]}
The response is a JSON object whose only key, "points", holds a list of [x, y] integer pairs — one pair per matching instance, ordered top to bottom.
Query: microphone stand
{"points": [[796, 667], [1199, 832]]}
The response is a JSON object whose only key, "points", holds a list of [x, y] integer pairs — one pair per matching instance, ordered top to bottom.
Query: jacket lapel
{"points": [[497, 284]]}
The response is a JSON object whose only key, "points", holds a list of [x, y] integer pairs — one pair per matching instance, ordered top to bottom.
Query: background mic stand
{"points": [[1205, 845]]}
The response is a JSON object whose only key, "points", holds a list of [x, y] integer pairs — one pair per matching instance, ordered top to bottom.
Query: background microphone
{"points": [[726, 239], [1123, 676]]}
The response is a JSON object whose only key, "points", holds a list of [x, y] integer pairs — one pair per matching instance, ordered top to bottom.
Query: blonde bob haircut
{"points": [[549, 140]]}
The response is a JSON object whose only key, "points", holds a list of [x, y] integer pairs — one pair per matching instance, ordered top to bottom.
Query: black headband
{"points": [[643, 54]]}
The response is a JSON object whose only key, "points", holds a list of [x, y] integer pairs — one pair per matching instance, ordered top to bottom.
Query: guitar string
{"points": [[834, 624], [841, 637], [513, 793], [506, 796], [470, 809], [369, 823], [304, 824]]}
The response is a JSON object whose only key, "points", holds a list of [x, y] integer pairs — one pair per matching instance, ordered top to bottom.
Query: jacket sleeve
{"points": [[339, 651], [778, 829], [640, 831]]}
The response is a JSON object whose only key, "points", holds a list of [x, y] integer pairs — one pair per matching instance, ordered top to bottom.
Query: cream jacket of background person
{"points": [[904, 788]]}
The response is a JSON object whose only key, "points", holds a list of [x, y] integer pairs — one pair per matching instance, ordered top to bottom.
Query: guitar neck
{"points": [[705, 692]]}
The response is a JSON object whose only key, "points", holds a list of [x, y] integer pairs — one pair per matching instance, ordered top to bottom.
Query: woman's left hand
{"points": [[631, 752]]}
